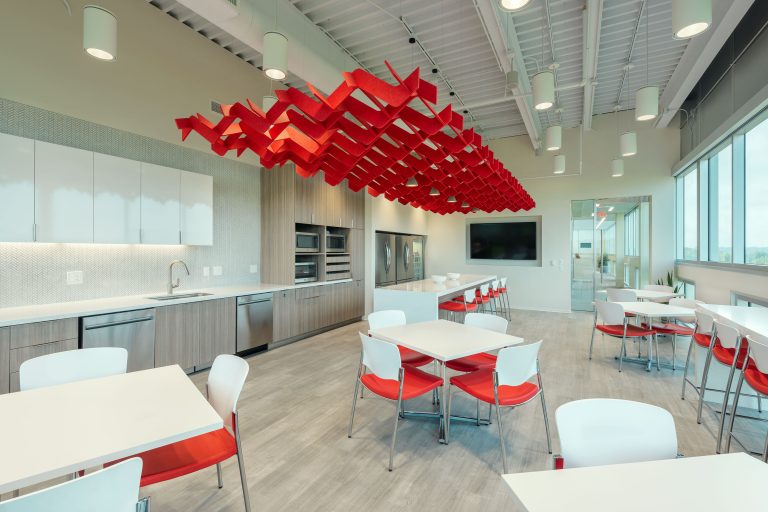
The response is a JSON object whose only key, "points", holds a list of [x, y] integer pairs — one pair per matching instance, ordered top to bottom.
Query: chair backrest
{"points": [[503, 282], [495, 285], [659, 288], [484, 289], [469, 295], [621, 295], [683, 302], [610, 313], [386, 318], [487, 321], [704, 322], [727, 336], [758, 352], [381, 357], [517, 364], [71, 366], [225, 382], [602, 431], [113, 489]]}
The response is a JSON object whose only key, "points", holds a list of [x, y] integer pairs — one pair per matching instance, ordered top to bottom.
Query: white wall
{"points": [[715, 285], [548, 287]]}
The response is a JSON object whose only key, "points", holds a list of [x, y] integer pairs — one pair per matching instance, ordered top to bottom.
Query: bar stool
{"points": [[483, 295], [505, 296], [496, 298], [466, 304], [675, 329], [702, 336], [756, 375]]}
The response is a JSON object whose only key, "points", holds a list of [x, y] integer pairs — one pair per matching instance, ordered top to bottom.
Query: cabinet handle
{"points": [[34, 232], [179, 237]]}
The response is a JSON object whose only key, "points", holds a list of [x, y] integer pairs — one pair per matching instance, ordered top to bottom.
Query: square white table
{"points": [[651, 310], [445, 341], [56, 431], [713, 483]]}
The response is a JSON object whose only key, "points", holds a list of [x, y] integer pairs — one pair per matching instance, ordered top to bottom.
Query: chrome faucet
{"points": [[171, 285]]}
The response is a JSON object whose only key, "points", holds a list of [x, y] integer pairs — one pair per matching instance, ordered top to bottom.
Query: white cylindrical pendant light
{"points": [[513, 5], [690, 17], [99, 33], [275, 51], [543, 90], [267, 102], [647, 103], [553, 138], [628, 143], [559, 164], [617, 167], [411, 183], [434, 192], [451, 199], [465, 204]]}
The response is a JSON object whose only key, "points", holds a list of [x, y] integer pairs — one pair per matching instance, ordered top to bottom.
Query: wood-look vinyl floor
{"points": [[296, 403]]}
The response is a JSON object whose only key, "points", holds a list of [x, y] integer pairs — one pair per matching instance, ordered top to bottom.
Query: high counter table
{"points": [[419, 299]]}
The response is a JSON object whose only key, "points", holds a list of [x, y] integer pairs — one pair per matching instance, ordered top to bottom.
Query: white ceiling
{"points": [[458, 36]]}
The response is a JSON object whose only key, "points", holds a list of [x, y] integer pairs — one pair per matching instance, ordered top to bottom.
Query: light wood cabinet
{"points": [[17, 189], [310, 199], [116, 200], [278, 229], [357, 248], [309, 308], [284, 315], [217, 320], [177, 335], [37, 339], [5, 359]]}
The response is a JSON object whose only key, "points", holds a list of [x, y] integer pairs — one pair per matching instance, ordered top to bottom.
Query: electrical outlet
{"points": [[254, 269], [206, 271], [217, 271], [75, 277]]}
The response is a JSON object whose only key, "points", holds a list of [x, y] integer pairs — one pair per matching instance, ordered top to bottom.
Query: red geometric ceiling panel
{"points": [[378, 144]]}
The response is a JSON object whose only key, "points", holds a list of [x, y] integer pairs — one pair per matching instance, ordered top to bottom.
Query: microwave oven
{"points": [[307, 242], [335, 242], [306, 272]]}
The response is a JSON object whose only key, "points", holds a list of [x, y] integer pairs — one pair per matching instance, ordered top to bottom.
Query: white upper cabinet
{"points": [[17, 189], [63, 193], [116, 200], [196, 209], [160, 210]]}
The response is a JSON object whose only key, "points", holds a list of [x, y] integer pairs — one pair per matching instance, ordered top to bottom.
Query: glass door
{"points": [[582, 255]]}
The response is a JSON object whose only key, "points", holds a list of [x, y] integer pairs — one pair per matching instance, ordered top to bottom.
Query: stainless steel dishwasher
{"points": [[254, 322], [131, 330]]}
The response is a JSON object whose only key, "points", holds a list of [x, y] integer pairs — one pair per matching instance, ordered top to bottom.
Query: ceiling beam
{"points": [[591, 21], [699, 55]]}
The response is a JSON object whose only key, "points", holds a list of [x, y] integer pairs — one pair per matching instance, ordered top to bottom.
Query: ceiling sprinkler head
{"points": [[411, 40]]}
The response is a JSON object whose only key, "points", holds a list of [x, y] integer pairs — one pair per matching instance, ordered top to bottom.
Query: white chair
{"points": [[659, 288], [621, 295], [505, 296], [615, 324], [677, 327], [702, 336], [482, 360], [71, 366], [756, 376], [389, 379], [507, 385], [601, 431], [114, 489]]}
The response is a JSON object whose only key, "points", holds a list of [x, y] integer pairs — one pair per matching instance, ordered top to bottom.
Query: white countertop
{"points": [[449, 287], [655, 309], [59, 310], [748, 320]]}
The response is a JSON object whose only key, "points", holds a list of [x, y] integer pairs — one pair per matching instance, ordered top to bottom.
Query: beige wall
{"points": [[163, 71]]}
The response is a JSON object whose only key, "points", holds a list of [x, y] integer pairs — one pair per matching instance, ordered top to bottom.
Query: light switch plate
{"points": [[254, 268], [206, 271], [217, 271], [74, 277]]}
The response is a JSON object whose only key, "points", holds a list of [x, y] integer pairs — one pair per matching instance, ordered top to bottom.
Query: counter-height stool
{"points": [[495, 293], [483, 295], [505, 296], [467, 303], [615, 324], [676, 328], [702, 336], [756, 376], [389, 378], [508, 384]]}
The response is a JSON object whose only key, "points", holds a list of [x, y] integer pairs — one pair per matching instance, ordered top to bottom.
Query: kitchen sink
{"points": [[179, 296]]}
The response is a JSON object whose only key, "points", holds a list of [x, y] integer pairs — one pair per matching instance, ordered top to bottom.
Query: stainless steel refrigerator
{"points": [[399, 258]]}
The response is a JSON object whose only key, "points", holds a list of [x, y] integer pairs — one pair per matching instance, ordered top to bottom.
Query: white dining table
{"points": [[649, 294], [649, 311], [748, 320], [445, 341], [55, 431], [735, 481]]}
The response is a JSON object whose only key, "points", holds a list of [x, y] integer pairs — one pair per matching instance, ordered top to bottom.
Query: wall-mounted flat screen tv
{"points": [[515, 241]]}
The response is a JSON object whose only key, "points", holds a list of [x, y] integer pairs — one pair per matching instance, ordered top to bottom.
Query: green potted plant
{"points": [[670, 281]]}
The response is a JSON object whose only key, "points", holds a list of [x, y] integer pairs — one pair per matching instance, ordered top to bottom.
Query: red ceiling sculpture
{"points": [[379, 144]]}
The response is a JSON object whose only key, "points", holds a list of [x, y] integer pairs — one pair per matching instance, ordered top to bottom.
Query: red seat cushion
{"points": [[503, 290], [457, 306], [671, 328], [633, 331], [703, 340], [725, 355], [413, 358], [473, 363], [756, 379], [415, 383], [479, 384], [185, 457]]}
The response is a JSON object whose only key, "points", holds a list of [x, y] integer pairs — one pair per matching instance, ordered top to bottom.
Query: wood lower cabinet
{"points": [[309, 309], [218, 323], [284, 323], [28, 341], [5, 357]]}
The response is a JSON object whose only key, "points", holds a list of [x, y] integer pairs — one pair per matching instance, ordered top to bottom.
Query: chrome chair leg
{"points": [[592, 341], [656, 341], [622, 351], [674, 351], [685, 368], [703, 385], [726, 396], [477, 400], [354, 402], [759, 404], [398, 405], [733, 413], [448, 414], [546, 422], [501, 439], [241, 465], [218, 475], [144, 505]]}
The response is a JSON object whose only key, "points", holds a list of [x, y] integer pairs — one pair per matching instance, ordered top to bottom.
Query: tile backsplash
{"points": [[36, 273]]}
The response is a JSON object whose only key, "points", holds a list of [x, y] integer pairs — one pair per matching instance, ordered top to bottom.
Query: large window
{"points": [[756, 194], [721, 206], [690, 215], [632, 233]]}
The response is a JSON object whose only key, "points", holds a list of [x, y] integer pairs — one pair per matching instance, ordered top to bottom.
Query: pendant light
{"points": [[513, 5], [690, 17], [99, 33], [275, 49], [543, 83], [647, 98], [267, 102], [553, 138], [628, 143], [559, 164], [617, 168], [412, 183], [434, 192], [451, 199], [465, 205]]}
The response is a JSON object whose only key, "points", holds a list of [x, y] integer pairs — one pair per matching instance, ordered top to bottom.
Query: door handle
{"points": [[388, 254], [406, 255], [119, 322]]}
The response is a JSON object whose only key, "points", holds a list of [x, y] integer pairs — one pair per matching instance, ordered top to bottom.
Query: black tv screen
{"points": [[503, 241]]}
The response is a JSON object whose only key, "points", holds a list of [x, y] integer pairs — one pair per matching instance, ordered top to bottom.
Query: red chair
{"points": [[483, 295], [622, 295], [505, 297], [465, 304], [391, 318], [615, 324], [675, 329], [702, 336], [483, 360], [756, 375], [390, 379], [225, 382], [507, 385]]}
